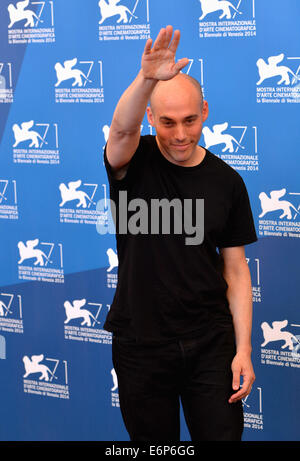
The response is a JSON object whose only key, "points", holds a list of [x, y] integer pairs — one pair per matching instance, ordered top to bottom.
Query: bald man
{"points": [[182, 311]]}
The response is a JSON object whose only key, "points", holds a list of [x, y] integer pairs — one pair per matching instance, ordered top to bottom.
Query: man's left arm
{"points": [[239, 294]]}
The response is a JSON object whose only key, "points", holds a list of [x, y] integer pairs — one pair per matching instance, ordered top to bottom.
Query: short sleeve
{"points": [[125, 182], [240, 228]]}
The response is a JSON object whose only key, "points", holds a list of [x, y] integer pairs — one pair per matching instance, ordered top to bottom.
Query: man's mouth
{"points": [[180, 146]]}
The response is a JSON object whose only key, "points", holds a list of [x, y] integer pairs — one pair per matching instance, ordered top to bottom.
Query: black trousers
{"points": [[153, 379]]}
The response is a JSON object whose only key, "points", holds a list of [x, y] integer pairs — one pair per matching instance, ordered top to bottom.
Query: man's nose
{"points": [[180, 133]]}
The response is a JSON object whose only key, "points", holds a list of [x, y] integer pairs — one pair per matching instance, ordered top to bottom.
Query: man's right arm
{"points": [[158, 63], [124, 133]]}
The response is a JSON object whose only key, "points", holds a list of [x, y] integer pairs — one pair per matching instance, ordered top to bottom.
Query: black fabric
{"points": [[166, 289], [153, 379]]}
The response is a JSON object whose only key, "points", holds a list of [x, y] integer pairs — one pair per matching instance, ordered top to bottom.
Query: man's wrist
{"points": [[148, 80], [244, 349]]}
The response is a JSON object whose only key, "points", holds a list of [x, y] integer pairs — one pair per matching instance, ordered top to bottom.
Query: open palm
{"points": [[158, 62]]}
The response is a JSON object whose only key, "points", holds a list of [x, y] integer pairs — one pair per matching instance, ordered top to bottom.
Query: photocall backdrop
{"points": [[63, 66]]}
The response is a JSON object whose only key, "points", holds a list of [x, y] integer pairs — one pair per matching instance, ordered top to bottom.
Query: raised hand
{"points": [[158, 62]]}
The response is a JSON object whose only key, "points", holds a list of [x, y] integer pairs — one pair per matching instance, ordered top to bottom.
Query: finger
{"points": [[169, 33], [159, 39], [175, 42], [148, 45], [181, 64], [236, 380], [247, 382], [243, 392], [237, 396]]}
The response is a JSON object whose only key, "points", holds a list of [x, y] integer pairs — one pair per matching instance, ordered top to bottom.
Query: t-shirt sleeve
{"points": [[124, 182], [240, 228]]}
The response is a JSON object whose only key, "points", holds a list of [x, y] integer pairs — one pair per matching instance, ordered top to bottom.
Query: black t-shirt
{"points": [[167, 289]]}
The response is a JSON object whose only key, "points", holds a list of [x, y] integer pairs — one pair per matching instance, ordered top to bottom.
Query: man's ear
{"points": [[205, 111], [150, 116]]}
